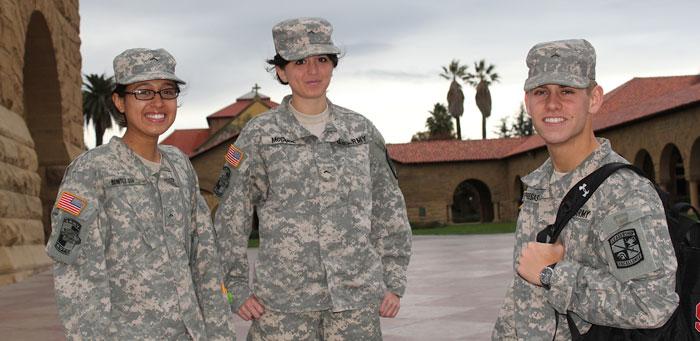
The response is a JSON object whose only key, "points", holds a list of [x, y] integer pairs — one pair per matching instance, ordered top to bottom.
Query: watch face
{"points": [[546, 277]]}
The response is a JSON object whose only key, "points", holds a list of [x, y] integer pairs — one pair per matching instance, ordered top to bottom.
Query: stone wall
{"points": [[41, 125]]}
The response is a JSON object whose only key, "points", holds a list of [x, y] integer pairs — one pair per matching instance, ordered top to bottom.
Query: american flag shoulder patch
{"points": [[234, 156], [70, 203]]}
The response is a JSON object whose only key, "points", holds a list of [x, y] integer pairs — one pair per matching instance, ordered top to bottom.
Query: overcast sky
{"points": [[393, 49]]}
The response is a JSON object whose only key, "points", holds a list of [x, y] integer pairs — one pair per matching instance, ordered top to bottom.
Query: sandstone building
{"points": [[652, 122], [41, 123]]}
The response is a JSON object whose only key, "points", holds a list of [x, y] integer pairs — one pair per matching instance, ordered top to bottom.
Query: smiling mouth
{"points": [[155, 117], [553, 119]]}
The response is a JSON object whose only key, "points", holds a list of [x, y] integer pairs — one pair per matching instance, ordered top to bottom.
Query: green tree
{"points": [[483, 76], [455, 96], [97, 97], [523, 123], [439, 125], [521, 126], [503, 131]]}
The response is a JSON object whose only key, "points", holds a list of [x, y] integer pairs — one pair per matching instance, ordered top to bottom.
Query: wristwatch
{"points": [[546, 276]]}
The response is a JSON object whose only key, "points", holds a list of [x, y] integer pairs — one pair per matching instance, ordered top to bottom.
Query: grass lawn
{"points": [[469, 228]]}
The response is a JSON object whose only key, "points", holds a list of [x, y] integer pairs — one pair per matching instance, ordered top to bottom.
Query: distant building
{"points": [[652, 122], [206, 147]]}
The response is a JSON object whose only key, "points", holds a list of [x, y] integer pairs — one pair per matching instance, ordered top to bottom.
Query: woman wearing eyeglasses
{"points": [[132, 239]]}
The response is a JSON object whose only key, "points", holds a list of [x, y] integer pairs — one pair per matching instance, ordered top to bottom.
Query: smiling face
{"points": [[309, 77], [561, 114], [147, 119]]}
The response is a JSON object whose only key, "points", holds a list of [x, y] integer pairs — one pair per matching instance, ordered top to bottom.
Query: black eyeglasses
{"points": [[147, 94]]}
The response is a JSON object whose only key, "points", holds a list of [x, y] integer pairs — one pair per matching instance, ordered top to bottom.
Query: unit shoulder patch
{"points": [[223, 182], [69, 236], [626, 249]]}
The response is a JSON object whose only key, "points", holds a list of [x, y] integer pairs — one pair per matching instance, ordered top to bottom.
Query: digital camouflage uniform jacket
{"points": [[332, 220], [134, 253], [618, 268]]}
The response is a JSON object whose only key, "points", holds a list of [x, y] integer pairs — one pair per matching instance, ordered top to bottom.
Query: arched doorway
{"points": [[42, 111], [644, 162], [672, 174], [694, 174], [471, 202]]}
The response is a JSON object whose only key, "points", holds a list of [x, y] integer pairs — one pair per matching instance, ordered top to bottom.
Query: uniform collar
{"points": [[296, 132], [129, 161], [541, 177]]}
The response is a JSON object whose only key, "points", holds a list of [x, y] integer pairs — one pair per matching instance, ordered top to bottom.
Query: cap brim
{"points": [[311, 50], [146, 76], [558, 78]]}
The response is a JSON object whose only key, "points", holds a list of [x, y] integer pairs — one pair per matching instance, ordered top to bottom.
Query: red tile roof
{"points": [[637, 99], [239, 106], [187, 139], [452, 150]]}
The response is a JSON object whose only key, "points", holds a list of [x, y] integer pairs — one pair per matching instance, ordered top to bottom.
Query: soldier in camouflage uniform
{"points": [[334, 236], [132, 240], [614, 264]]}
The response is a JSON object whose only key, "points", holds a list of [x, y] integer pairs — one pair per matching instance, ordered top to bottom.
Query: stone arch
{"points": [[42, 111], [645, 163], [672, 173], [694, 174], [518, 189], [471, 202]]}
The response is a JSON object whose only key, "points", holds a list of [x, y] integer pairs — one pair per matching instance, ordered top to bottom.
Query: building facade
{"points": [[652, 122], [41, 124]]}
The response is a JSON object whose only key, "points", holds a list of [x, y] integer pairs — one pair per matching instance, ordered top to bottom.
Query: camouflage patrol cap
{"points": [[302, 37], [562, 62], [139, 64]]}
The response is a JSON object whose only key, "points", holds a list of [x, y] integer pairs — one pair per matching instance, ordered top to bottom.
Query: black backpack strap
{"points": [[578, 196], [572, 202]]}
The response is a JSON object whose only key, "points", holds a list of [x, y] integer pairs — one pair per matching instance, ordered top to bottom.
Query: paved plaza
{"points": [[455, 288]]}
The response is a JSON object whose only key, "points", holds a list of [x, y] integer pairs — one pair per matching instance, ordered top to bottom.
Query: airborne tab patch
{"points": [[234, 156], [70, 203], [625, 249]]}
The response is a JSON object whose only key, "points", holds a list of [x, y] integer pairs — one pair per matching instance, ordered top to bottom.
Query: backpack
{"points": [[684, 324]]}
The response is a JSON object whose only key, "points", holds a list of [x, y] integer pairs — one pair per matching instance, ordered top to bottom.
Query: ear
{"points": [[281, 74], [596, 99], [118, 102]]}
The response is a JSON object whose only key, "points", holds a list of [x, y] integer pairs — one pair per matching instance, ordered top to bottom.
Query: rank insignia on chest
{"points": [[234, 156], [70, 203], [626, 249]]}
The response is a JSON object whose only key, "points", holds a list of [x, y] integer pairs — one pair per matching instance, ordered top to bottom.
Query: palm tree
{"points": [[482, 77], [97, 93], [455, 96]]}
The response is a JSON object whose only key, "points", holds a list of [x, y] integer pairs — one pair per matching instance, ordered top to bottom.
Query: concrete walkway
{"points": [[455, 288]]}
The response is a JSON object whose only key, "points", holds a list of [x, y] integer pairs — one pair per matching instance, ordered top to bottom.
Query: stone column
{"points": [[694, 200], [21, 232]]}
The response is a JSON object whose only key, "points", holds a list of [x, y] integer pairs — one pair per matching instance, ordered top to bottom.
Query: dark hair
{"points": [[277, 60], [120, 90], [119, 117]]}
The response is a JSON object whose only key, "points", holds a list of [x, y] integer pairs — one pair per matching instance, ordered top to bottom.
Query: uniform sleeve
{"points": [[240, 187], [389, 219], [77, 247], [206, 271], [637, 288], [504, 328]]}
